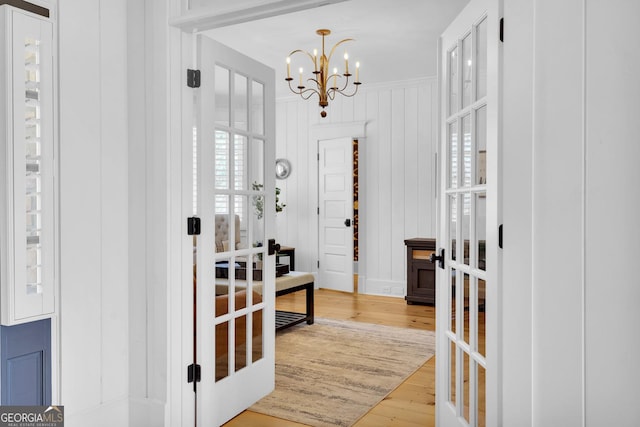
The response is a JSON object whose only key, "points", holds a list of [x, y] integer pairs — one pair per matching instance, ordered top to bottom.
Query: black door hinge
{"points": [[502, 29], [193, 78], [193, 226], [500, 236], [193, 373]]}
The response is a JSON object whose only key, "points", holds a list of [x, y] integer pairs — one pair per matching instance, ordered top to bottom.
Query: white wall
{"points": [[571, 161], [397, 199], [94, 212]]}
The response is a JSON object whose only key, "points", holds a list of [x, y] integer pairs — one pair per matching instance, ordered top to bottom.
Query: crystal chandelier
{"points": [[320, 82]]}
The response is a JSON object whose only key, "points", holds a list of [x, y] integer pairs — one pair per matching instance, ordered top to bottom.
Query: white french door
{"points": [[235, 200], [335, 201], [467, 279]]}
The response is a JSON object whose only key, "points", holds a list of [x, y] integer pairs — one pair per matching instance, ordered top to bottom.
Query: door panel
{"points": [[335, 198], [235, 279], [467, 309]]}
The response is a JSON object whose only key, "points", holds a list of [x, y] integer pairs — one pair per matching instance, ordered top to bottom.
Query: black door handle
{"points": [[347, 222], [273, 247], [440, 258]]}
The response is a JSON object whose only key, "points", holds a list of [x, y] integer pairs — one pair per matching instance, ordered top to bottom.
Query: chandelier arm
{"points": [[335, 46], [302, 51], [346, 83], [353, 94]]}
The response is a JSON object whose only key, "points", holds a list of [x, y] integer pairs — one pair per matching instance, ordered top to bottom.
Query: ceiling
{"points": [[394, 40]]}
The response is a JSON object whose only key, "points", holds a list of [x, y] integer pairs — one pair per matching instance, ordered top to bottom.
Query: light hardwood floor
{"points": [[413, 402]]}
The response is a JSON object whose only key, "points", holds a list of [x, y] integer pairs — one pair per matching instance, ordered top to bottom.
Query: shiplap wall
{"points": [[396, 166], [94, 350]]}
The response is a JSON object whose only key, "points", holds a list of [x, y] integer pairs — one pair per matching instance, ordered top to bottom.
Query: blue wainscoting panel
{"points": [[25, 364]]}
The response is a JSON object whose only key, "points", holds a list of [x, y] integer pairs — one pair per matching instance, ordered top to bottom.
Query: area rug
{"points": [[333, 372]]}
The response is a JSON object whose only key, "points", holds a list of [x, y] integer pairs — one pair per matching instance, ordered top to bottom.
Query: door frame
{"points": [[317, 133]]}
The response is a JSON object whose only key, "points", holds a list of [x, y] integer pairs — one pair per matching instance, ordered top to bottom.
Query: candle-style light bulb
{"points": [[315, 60], [346, 63], [288, 67], [301, 70], [357, 71], [335, 78]]}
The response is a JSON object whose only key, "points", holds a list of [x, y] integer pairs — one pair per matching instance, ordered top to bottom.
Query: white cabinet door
{"points": [[27, 236]]}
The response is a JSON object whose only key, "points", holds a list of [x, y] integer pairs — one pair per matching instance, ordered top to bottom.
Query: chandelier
{"points": [[321, 77]]}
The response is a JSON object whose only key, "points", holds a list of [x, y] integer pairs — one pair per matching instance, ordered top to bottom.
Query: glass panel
{"points": [[481, 59], [466, 71], [453, 80], [222, 103], [257, 107], [241, 111], [481, 145], [466, 150], [453, 155], [240, 156], [222, 160], [256, 160], [33, 179], [241, 209], [453, 217], [257, 218], [466, 223], [481, 229], [223, 271], [453, 290], [482, 290], [466, 318], [241, 342], [222, 351], [257, 352], [452, 373], [465, 377], [482, 402]]}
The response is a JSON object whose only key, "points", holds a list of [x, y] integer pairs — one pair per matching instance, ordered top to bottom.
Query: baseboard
{"points": [[384, 287], [146, 413], [109, 414]]}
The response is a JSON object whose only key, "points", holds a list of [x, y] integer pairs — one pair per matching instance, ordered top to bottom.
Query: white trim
{"points": [[207, 18]]}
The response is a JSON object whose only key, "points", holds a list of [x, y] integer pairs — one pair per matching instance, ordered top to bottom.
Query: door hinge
{"points": [[502, 29], [193, 78], [318, 156], [318, 210], [193, 226], [500, 236], [318, 263], [193, 373]]}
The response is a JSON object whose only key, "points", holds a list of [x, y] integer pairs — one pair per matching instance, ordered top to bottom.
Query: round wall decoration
{"points": [[283, 168]]}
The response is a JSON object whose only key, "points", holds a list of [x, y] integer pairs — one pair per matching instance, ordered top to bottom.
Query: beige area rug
{"points": [[333, 372]]}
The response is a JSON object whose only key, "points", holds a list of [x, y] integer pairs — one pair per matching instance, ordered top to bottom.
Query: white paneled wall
{"points": [[397, 187], [94, 212]]}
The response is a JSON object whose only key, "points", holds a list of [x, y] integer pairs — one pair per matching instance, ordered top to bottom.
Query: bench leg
{"points": [[310, 313]]}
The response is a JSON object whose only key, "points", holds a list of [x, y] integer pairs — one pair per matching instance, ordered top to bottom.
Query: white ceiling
{"points": [[394, 40]]}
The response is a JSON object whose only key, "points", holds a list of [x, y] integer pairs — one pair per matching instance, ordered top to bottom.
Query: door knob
{"points": [[347, 222], [440, 258]]}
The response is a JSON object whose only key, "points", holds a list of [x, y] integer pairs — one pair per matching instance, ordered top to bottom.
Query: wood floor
{"points": [[413, 402]]}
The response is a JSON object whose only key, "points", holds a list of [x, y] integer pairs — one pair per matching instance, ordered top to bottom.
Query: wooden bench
{"points": [[294, 281]]}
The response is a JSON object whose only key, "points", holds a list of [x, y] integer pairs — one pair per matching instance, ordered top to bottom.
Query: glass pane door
{"points": [[463, 301], [235, 330]]}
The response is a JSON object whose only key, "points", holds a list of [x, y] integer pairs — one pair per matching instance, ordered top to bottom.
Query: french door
{"points": [[235, 200], [467, 305]]}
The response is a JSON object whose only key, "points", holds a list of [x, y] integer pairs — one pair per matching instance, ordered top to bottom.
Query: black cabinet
{"points": [[421, 275]]}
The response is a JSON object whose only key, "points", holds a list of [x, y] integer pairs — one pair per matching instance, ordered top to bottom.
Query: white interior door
{"points": [[335, 202], [467, 282], [235, 291]]}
